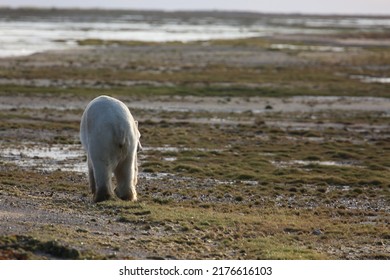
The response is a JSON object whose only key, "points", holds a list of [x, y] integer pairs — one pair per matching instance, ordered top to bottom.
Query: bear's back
{"points": [[108, 109], [106, 118]]}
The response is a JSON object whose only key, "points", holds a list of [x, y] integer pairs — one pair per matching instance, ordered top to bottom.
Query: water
{"points": [[352, 22], [24, 32], [30, 37], [307, 48], [370, 79], [46, 157], [49, 158], [67, 158], [312, 162]]}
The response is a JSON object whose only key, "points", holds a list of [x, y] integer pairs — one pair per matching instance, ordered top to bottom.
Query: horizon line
{"points": [[193, 11]]}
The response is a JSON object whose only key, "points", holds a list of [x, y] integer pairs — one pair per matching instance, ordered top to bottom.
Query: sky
{"points": [[380, 7]]}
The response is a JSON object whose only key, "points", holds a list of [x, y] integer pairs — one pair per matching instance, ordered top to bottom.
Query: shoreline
{"points": [[61, 28]]}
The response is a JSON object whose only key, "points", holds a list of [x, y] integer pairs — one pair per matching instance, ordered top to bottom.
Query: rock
{"points": [[317, 232]]}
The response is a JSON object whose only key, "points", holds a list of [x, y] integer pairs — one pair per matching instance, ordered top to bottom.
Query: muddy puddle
{"points": [[307, 48], [371, 79], [178, 149], [45, 158], [70, 158], [308, 163]]}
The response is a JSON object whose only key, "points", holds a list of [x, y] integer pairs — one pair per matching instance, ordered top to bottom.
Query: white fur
{"points": [[110, 136]]}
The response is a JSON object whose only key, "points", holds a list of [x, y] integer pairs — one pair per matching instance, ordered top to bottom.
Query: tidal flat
{"points": [[251, 150]]}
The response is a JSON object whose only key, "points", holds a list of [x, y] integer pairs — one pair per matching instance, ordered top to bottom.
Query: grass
{"points": [[174, 72], [284, 83]]}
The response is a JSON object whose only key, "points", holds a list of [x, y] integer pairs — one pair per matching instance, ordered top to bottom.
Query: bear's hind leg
{"points": [[124, 174], [91, 175], [103, 182]]}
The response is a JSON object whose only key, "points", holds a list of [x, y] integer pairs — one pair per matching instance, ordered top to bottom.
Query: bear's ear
{"points": [[136, 123]]}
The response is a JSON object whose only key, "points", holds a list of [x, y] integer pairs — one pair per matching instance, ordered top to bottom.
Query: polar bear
{"points": [[109, 134]]}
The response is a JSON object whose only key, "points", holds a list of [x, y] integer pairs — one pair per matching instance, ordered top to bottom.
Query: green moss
{"points": [[33, 248], [271, 248]]}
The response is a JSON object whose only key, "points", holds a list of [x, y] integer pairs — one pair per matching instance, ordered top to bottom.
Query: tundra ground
{"points": [[250, 151]]}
